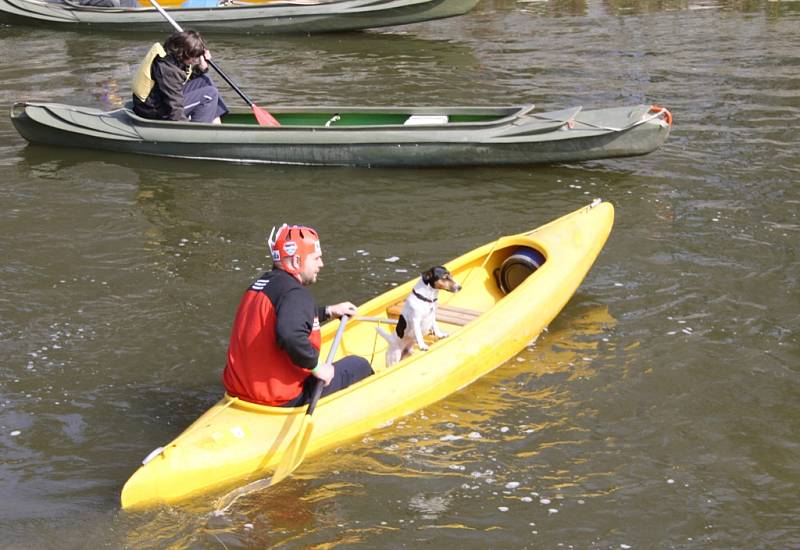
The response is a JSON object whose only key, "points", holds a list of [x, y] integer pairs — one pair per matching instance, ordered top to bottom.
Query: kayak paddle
{"points": [[262, 116], [376, 320], [296, 450]]}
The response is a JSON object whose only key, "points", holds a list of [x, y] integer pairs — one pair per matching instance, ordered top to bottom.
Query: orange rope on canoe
{"points": [[662, 110]]}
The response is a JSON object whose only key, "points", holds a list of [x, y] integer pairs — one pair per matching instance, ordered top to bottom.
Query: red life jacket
{"points": [[258, 368]]}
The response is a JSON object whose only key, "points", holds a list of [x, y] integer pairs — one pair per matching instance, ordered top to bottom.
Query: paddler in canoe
{"points": [[171, 82], [273, 356]]}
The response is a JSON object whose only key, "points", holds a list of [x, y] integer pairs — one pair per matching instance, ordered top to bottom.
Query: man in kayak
{"points": [[171, 82], [273, 356]]}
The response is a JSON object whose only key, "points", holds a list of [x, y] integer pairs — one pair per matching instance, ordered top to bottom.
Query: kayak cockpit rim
{"points": [[491, 254]]}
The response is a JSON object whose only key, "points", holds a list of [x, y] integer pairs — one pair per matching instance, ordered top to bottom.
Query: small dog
{"points": [[418, 316]]}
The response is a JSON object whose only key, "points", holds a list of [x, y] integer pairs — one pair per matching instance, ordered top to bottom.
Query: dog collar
{"points": [[423, 298]]}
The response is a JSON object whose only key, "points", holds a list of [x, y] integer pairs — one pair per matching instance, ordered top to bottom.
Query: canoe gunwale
{"points": [[353, 6], [285, 17], [516, 117]]}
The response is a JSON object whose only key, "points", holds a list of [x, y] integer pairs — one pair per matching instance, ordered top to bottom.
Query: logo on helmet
{"points": [[290, 248]]}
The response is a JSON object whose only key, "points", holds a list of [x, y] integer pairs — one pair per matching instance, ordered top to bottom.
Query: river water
{"points": [[660, 409]]}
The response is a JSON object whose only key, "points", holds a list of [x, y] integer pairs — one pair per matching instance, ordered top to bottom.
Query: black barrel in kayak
{"points": [[518, 266]]}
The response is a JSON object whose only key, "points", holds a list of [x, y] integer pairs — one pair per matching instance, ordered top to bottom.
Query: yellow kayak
{"points": [[511, 289]]}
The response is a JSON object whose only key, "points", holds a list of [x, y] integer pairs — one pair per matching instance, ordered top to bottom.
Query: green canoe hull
{"points": [[289, 16], [361, 136]]}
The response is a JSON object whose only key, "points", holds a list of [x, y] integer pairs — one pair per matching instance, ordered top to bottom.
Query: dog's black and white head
{"points": [[439, 277]]}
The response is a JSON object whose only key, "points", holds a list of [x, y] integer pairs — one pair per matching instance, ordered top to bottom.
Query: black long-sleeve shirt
{"points": [[296, 311]]}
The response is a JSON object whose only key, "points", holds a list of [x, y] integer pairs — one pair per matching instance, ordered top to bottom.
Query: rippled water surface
{"points": [[659, 410]]}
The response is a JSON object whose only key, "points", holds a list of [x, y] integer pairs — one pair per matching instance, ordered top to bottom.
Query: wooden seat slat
{"points": [[452, 315]]}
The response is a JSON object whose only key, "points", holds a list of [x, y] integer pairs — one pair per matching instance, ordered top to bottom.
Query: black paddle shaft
{"points": [[230, 82], [320, 384], [318, 387]]}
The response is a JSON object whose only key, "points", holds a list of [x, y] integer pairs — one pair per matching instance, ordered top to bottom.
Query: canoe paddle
{"points": [[262, 116], [296, 450]]}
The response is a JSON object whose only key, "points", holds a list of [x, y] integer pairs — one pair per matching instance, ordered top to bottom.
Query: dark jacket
{"points": [[165, 101], [275, 341]]}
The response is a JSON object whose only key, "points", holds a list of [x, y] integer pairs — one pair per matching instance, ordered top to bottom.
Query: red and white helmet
{"points": [[292, 241]]}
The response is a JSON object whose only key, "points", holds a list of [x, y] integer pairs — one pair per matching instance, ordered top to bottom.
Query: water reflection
{"points": [[299, 70], [672, 433], [456, 439], [450, 453]]}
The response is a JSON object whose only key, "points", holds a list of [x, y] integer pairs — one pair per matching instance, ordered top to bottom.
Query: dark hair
{"points": [[185, 45]]}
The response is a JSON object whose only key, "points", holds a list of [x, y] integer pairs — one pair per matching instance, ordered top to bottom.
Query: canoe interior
{"points": [[205, 4], [321, 119], [480, 293]]}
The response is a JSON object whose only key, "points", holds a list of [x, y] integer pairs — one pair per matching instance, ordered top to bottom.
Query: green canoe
{"points": [[280, 16], [361, 136]]}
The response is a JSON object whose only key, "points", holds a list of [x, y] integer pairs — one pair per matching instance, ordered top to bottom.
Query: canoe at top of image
{"points": [[269, 17], [361, 136], [512, 289]]}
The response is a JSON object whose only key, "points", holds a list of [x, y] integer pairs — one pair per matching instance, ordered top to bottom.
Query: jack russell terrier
{"points": [[418, 316]]}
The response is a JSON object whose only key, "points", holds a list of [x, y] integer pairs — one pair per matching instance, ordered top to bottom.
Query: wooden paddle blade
{"points": [[263, 117], [295, 452], [292, 458], [225, 502]]}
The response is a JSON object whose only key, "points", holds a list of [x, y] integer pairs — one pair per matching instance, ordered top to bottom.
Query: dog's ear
{"points": [[440, 272], [434, 274]]}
